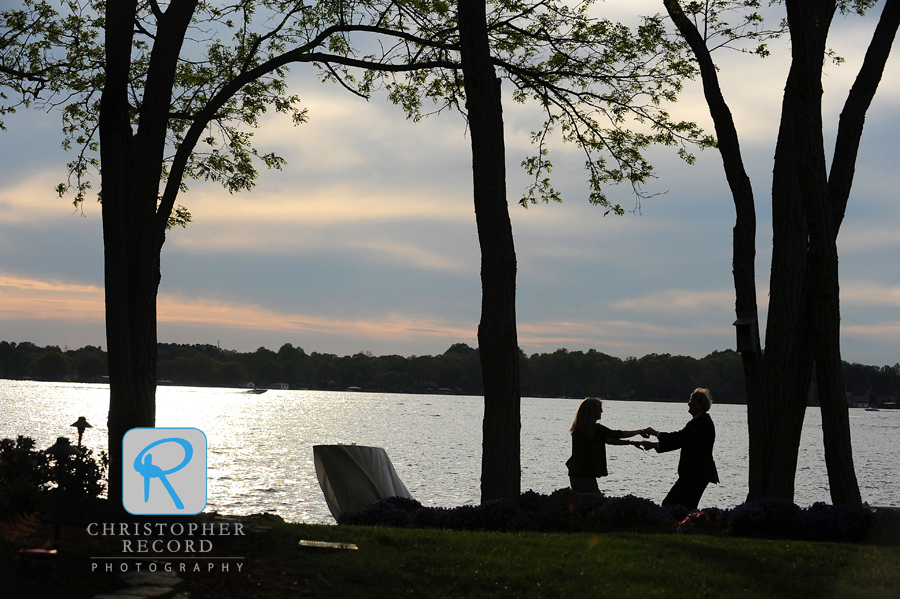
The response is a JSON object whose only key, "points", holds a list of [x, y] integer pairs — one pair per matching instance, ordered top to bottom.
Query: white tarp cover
{"points": [[353, 476]]}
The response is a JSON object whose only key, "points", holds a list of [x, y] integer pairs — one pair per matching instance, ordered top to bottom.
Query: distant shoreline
{"points": [[457, 371]]}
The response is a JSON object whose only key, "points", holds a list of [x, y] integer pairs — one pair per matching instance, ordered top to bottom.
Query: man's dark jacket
{"points": [[696, 441]]}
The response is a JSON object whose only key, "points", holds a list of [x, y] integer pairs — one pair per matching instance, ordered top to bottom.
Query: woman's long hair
{"points": [[588, 413]]}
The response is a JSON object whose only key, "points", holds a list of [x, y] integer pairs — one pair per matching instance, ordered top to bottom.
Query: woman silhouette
{"points": [[589, 441]]}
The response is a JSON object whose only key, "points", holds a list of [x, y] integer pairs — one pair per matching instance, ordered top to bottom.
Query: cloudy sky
{"points": [[367, 241]]}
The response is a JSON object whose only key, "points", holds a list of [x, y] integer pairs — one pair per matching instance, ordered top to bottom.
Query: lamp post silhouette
{"points": [[81, 424], [60, 451]]}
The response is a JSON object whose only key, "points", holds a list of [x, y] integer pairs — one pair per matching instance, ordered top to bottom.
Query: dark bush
{"points": [[24, 476], [81, 476], [31, 480], [531, 501], [404, 504], [583, 504], [559, 510], [565, 510], [629, 511], [391, 512], [676, 512], [503, 515], [716, 515], [428, 517], [464, 517], [766, 517], [823, 522], [885, 527]]}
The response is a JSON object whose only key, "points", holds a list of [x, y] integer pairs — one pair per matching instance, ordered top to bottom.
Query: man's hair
{"points": [[704, 397], [588, 413]]}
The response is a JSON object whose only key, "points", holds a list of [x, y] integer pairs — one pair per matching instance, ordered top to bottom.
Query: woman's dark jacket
{"points": [[589, 453]]}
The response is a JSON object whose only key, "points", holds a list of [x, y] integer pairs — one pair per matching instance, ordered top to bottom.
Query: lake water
{"points": [[260, 446]]}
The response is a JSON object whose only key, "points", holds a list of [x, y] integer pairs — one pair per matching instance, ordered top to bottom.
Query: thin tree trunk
{"points": [[743, 257], [497, 340], [835, 412]]}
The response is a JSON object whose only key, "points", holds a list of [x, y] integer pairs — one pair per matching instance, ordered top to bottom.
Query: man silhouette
{"points": [[696, 468]]}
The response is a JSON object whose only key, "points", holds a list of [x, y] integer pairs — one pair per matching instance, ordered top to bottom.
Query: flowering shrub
{"points": [[565, 510], [715, 515]]}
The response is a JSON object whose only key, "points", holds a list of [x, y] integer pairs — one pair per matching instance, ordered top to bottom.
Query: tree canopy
{"points": [[594, 78]]}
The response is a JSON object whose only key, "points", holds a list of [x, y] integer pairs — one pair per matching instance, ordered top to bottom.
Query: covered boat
{"points": [[353, 476]]}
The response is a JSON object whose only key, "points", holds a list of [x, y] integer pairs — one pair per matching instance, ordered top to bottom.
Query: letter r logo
{"points": [[164, 471]]}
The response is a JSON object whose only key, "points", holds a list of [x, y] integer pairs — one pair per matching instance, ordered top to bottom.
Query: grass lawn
{"points": [[393, 563], [444, 564]]}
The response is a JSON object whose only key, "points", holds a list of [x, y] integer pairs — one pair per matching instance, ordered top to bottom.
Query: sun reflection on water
{"points": [[260, 445]]}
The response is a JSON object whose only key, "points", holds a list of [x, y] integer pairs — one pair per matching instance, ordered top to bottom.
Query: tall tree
{"points": [[594, 79], [166, 85], [173, 98], [808, 204], [497, 339]]}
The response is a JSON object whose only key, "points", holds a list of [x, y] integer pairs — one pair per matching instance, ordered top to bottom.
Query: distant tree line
{"points": [[562, 373]]}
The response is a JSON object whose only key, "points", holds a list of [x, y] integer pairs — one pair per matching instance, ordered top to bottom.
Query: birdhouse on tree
{"points": [[747, 335]]}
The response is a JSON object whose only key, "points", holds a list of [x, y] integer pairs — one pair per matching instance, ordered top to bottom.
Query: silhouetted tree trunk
{"points": [[798, 181], [808, 203], [132, 233], [743, 247], [497, 340], [835, 417]]}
